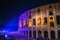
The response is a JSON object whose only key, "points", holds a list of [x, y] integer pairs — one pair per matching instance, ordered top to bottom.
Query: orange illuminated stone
{"points": [[38, 21], [30, 23]]}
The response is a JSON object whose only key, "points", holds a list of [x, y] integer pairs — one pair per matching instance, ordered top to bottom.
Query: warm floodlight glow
{"points": [[51, 19], [45, 20], [38, 21], [30, 23]]}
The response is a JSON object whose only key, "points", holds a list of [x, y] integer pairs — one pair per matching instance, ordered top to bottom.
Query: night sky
{"points": [[11, 9]]}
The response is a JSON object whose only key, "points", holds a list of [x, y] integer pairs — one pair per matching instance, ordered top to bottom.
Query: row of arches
{"points": [[52, 34]]}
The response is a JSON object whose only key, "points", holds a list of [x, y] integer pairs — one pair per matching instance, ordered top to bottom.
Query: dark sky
{"points": [[13, 8]]}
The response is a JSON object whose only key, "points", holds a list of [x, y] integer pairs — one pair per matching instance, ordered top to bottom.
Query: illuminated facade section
{"points": [[51, 19], [43, 20], [38, 21], [24, 23], [30, 23], [20, 24]]}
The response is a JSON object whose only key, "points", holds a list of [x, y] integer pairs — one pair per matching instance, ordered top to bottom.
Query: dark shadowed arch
{"points": [[50, 13], [58, 19], [26, 33], [30, 33], [39, 33], [34, 34], [45, 34], [52, 34], [58, 34]]}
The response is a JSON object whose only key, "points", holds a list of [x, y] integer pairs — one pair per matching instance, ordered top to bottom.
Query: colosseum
{"points": [[41, 21]]}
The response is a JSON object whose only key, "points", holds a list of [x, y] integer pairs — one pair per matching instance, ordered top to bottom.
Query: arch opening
{"points": [[30, 33], [39, 33], [34, 34], [45, 34], [58, 34], [52, 35]]}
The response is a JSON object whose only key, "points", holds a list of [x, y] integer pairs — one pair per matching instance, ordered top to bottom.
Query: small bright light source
{"points": [[3, 31], [6, 35]]}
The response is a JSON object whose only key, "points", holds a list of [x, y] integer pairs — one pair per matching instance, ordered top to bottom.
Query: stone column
{"points": [[55, 24], [28, 33], [32, 33], [36, 33], [43, 34], [56, 34], [49, 35]]}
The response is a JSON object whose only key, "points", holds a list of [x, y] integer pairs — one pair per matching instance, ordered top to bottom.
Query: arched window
{"points": [[50, 6], [38, 10], [29, 11], [50, 13], [29, 16], [51, 18], [58, 19], [45, 20], [38, 21], [51, 21], [26, 22], [34, 22], [30, 23], [52, 24], [26, 33], [30, 33], [39, 33], [34, 34], [45, 34], [58, 34], [52, 35]]}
